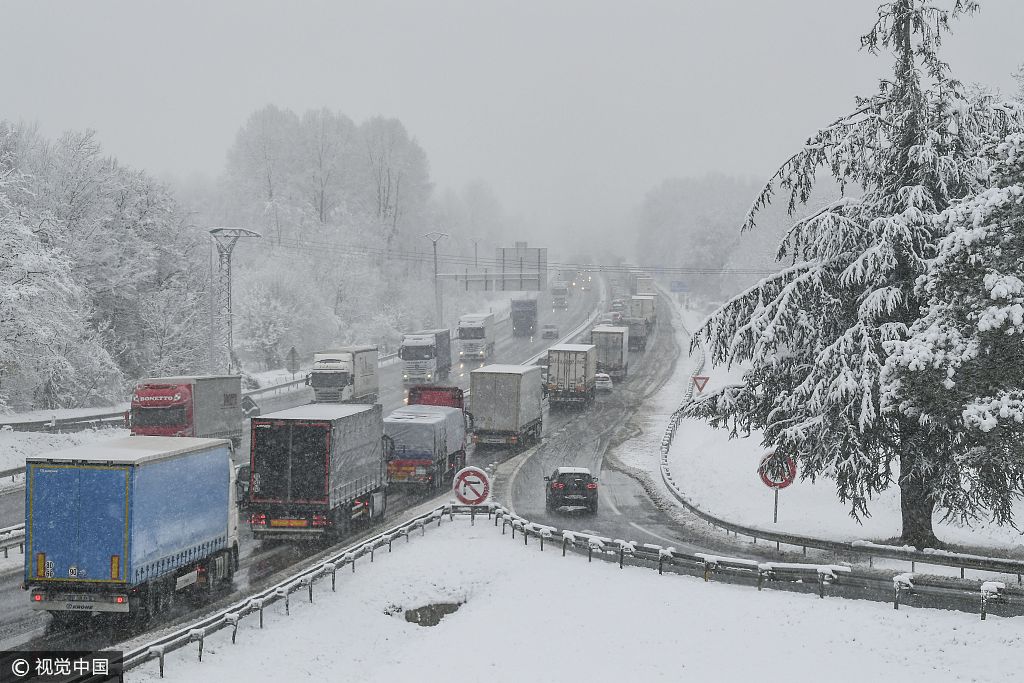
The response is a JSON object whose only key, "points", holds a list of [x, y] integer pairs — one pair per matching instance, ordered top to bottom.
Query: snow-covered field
{"points": [[720, 476], [533, 616]]}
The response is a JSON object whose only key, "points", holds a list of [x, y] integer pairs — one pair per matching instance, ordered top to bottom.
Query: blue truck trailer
{"points": [[124, 525]]}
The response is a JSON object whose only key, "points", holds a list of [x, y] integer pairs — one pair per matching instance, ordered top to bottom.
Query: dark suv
{"points": [[573, 486]]}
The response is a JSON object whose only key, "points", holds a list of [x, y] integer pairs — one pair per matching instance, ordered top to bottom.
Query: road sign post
{"points": [[292, 362], [700, 382], [777, 471], [472, 486]]}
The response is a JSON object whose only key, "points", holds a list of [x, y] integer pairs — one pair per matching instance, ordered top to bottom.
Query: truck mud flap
{"points": [[378, 505]]}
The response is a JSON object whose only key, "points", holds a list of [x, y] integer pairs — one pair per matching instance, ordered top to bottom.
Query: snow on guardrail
{"points": [[862, 549], [813, 577]]}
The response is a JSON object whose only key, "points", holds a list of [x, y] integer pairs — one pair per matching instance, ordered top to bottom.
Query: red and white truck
{"points": [[204, 406], [429, 445]]}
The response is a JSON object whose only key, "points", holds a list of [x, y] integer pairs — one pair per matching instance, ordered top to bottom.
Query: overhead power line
{"points": [[477, 264]]}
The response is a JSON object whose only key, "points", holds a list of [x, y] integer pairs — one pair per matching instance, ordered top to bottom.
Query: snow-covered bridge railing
{"points": [[825, 579]]}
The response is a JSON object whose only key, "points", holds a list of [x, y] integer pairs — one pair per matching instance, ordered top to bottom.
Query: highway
{"points": [[572, 437], [259, 564]]}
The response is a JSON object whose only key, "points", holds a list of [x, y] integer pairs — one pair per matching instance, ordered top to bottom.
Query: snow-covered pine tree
{"points": [[813, 333], [961, 370]]}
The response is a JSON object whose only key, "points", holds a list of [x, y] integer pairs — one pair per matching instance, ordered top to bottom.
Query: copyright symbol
{"points": [[19, 667]]}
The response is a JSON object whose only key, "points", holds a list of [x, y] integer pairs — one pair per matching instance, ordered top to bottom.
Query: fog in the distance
{"points": [[571, 111]]}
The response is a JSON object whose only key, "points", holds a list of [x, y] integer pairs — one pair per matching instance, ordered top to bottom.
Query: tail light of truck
{"points": [[591, 486], [258, 518], [319, 520], [38, 597], [120, 599]]}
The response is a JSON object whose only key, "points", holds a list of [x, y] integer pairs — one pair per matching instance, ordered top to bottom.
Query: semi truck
{"points": [[560, 295], [642, 306], [524, 316], [637, 334], [476, 336], [612, 344], [426, 356], [571, 370], [345, 375], [453, 397], [507, 404], [203, 406], [429, 445], [316, 471], [125, 524]]}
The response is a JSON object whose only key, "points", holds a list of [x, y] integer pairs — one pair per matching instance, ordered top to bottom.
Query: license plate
{"points": [[575, 496], [289, 522]]}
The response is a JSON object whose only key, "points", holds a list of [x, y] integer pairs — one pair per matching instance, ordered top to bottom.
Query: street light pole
{"points": [[436, 237], [225, 239]]}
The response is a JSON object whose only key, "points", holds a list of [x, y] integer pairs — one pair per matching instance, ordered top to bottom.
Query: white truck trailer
{"points": [[476, 336], [612, 344], [426, 356], [571, 370], [345, 375], [507, 404]]}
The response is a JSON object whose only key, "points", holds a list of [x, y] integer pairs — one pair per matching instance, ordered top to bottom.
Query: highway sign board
{"points": [[700, 382], [471, 486]]}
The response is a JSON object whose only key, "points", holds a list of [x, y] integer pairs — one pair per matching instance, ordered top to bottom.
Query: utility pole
{"points": [[436, 237], [225, 239], [476, 241]]}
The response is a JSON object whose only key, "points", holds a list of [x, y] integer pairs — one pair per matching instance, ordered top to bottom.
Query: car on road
{"points": [[606, 319], [549, 332], [603, 382], [571, 486]]}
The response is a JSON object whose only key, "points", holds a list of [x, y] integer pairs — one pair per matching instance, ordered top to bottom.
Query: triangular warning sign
{"points": [[700, 382]]}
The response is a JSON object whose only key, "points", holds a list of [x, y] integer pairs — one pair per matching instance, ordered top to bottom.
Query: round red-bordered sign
{"points": [[777, 471], [471, 486]]}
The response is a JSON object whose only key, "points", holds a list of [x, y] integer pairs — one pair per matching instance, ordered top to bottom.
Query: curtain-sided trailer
{"points": [[123, 525]]}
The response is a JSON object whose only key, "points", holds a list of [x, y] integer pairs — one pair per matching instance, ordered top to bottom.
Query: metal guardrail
{"points": [[108, 419], [74, 423], [12, 473], [12, 536], [862, 549], [821, 578], [258, 602]]}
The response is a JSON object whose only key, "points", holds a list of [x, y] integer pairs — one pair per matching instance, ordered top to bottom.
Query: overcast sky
{"points": [[570, 110]]}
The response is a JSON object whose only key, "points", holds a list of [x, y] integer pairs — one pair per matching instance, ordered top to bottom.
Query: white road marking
{"points": [[610, 504], [651, 533]]}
